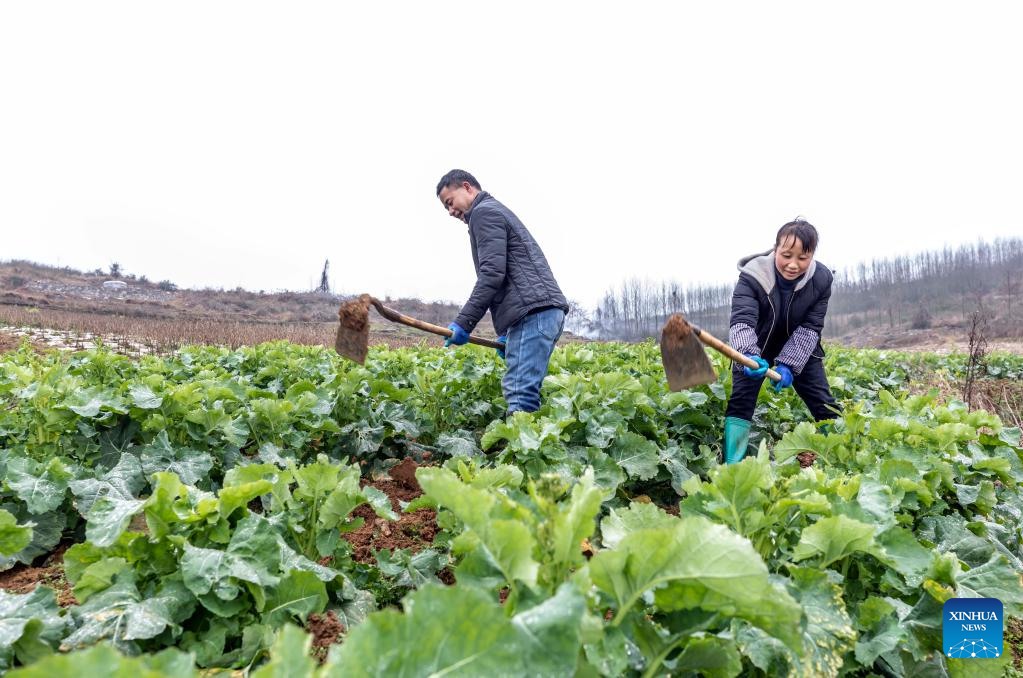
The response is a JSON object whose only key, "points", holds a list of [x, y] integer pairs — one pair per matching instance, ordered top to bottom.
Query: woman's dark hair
{"points": [[457, 176], [798, 228]]}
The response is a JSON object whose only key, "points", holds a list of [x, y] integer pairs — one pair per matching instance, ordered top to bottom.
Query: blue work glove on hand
{"points": [[458, 336], [503, 339], [758, 372], [786, 377]]}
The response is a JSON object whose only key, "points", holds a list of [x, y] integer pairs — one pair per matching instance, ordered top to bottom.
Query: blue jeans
{"points": [[527, 352]]}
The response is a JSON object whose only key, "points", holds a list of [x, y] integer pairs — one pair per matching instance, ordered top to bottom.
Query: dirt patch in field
{"points": [[11, 341], [7, 342], [806, 458], [412, 531], [24, 579], [326, 630], [1014, 639]]}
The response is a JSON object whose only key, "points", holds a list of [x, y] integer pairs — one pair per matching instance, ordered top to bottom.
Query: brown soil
{"points": [[354, 314], [7, 342], [11, 342], [806, 458], [405, 475], [412, 531], [23, 579], [326, 629], [1014, 639]]}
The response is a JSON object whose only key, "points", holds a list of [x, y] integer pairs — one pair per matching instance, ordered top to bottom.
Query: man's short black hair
{"points": [[455, 177], [798, 228]]}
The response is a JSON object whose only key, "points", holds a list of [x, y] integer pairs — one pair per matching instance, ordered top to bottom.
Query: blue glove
{"points": [[458, 336], [503, 339], [759, 371], [786, 377]]}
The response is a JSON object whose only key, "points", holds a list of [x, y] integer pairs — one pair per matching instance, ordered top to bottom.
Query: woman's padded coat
{"points": [[757, 311]]}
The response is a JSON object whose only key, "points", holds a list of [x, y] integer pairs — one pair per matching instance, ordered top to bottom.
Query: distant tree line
{"points": [[904, 291]]}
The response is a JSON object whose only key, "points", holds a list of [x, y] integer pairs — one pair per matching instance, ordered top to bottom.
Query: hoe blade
{"points": [[352, 340], [685, 361]]}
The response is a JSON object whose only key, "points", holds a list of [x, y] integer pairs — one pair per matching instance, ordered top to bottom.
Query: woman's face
{"points": [[791, 259]]}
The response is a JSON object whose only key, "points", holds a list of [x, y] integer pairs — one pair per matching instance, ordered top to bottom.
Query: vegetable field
{"points": [[239, 510]]}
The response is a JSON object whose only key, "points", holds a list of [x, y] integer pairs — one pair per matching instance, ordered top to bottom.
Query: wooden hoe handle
{"points": [[403, 319], [726, 350]]}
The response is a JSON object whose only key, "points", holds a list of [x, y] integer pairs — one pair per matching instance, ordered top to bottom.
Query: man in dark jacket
{"points": [[513, 281], [778, 310]]}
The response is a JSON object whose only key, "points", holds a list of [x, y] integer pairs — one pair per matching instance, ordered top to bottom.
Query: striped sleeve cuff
{"points": [[743, 339], [798, 349]]}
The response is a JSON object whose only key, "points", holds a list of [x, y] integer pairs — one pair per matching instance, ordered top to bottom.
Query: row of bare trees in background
{"points": [[907, 291]]}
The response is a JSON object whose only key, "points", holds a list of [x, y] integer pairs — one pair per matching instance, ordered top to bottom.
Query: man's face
{"points": [[457, 198], [790, 259]]}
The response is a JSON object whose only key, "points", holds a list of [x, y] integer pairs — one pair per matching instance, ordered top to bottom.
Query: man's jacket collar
{"points": [[475, 201]]}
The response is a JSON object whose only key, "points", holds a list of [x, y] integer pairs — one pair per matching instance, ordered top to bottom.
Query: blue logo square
{"points": [[972, 628]]}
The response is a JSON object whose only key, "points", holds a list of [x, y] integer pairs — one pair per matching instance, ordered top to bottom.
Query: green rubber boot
{"points": [[736, 439]]}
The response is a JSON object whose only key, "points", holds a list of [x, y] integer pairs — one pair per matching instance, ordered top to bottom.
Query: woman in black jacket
{"points": [[778, 310]]}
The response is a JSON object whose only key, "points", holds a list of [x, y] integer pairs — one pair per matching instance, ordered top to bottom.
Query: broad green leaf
{"points": [[143, 397], [89, 401], [804, 438], [458, 445], [638, 456], [191, 466], [502, 475], [123, 481], [41, 487], [235, 496], [379, 502], [637, 516], [109, 517], [574, 521], [46, 533], [951, 535], [13, 537], [834, 538], [508, 542], [900, 550], [252, 556], [290, 560], [695, 564], [407, 569], [98, 577], [299, 594], [120, 613], [31, 624], [460, 631], [549, 633], [828, 634], [881, 636], [289, 655], [710, 657], [103, 660], [979, 667]]}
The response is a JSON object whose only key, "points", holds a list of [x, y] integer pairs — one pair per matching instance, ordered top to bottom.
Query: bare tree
{"points": [[324, 278], [978, 352]]}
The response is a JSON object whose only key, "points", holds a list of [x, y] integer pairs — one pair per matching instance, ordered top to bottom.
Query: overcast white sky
{"points": [[242, 143]]}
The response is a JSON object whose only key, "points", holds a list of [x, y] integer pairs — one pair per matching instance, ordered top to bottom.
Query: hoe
{"points": [[353, 331], [684, 359]]}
